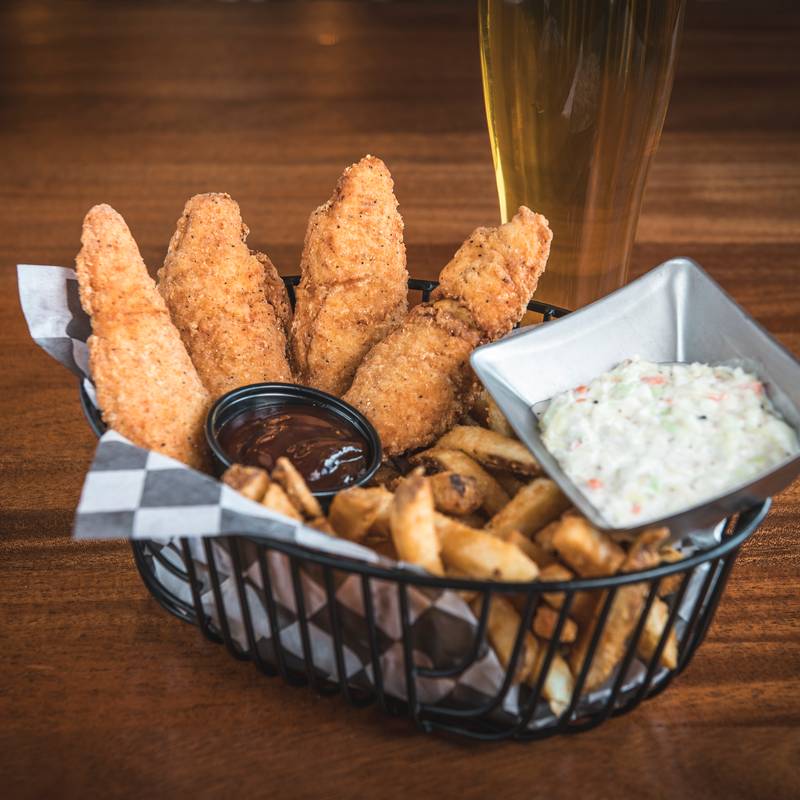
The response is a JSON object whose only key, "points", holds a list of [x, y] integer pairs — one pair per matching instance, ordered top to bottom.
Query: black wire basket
{"points": [[691, 589]]}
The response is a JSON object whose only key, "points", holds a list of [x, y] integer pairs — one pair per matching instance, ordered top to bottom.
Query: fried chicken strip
{"points": [[495, 272], [353, 287], [276, 294], [225, 300], [417, 382], [147, 386]]}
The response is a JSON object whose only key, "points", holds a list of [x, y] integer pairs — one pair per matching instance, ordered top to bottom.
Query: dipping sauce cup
{"points": [[330, 443]]}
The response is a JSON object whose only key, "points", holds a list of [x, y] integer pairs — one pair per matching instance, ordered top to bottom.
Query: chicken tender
{"points": [[495, 272], [354, 283], [276, 294], [224, 299], [415, 384], [147, 386]]}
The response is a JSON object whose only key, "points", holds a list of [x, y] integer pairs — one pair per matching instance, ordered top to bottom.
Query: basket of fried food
{"points": [[459, 588], [493, 608]]}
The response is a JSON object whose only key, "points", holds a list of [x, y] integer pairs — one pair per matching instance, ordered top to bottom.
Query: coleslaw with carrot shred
{"points": [[647, 440]]}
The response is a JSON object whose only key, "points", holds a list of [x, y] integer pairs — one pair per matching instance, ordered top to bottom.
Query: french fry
{"points": [[480, 407], [488, 413], [496, 421], [491, 449], [386, 474], [252, 482], [393, 483], [511, 483], [296, 487], [455, 494], [494, 497], [277, 499], [531, 508], [357, 512], [473, 520], [322, 524], [412, 525], [628, 537], [544, 538], [623, 538], [523, 542], [384, 547], [530, 548], [585, 549], [481, 555], [671, 555], [555, 572], [671, 583], [466, 596], [583, 603], [584, 606], [621, 619], [544, 625], [502, 627], [651, 635], [558, 683]]}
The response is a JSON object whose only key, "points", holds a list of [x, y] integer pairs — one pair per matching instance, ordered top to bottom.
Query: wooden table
{"points": [[140, 105]]}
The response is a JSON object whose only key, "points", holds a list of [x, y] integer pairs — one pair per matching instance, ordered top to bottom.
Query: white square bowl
{"points": [[674, 313]]}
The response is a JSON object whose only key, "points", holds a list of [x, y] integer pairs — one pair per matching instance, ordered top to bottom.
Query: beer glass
{"points": [[576, 93]]}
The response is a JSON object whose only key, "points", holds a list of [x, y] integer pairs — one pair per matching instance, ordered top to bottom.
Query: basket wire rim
{"points": [[407, 574]]}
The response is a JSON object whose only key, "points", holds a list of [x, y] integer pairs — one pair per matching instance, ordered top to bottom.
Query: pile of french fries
{"points": [[475, 505]]}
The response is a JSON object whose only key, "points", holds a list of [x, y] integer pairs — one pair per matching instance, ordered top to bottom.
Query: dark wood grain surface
{"points": [[142, 104]]}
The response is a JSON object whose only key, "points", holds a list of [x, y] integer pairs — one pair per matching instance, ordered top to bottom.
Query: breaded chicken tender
{"points": [[495, 272], [353, 287], [276, 294], [228, 303], [417, 382], [147, 386]]}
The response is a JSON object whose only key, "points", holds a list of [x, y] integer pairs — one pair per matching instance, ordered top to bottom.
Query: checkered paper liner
{"points": [[133, 493]]}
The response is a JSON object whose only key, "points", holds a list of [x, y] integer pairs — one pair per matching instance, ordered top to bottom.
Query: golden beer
{"points": [[576, 93]]}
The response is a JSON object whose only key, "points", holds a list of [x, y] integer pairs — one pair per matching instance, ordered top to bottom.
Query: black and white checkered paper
{"points": [[133, 493]]}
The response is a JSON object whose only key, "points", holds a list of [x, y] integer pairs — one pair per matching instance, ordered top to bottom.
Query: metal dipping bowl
{"points": [[674, 313], [260, 395]]}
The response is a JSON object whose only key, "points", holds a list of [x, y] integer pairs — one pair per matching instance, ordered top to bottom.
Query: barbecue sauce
{"points": [[327, 450]]}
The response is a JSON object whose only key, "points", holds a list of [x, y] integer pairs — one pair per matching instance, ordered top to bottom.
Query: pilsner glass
{"points": [[576, 93]]}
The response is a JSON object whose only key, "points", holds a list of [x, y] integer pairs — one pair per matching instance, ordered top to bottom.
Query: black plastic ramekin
{"points": [[261, 395]]}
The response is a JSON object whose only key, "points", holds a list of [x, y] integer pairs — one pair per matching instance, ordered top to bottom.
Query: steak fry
{"points": [[622, 617]]}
